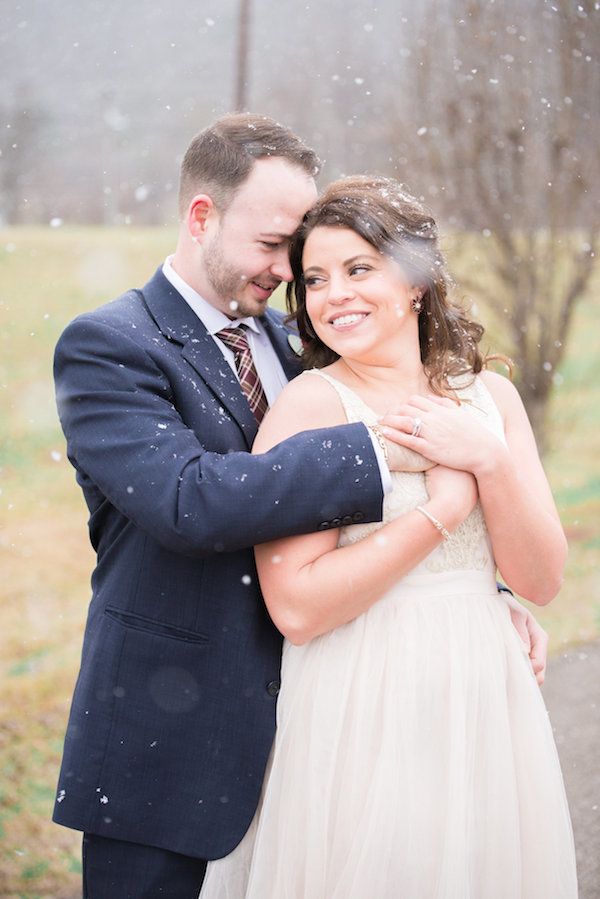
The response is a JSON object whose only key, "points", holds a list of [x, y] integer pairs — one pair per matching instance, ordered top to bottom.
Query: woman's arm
{"points": [[528, 541], [310, 586]]}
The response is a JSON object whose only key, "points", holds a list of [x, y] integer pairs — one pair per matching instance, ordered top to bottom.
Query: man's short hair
{"points": [[220, 158]]}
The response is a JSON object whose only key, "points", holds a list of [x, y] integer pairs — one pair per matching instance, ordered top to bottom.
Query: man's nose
{"points": [[281, 267]]}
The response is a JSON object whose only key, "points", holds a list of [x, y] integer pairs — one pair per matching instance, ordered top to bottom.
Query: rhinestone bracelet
{"points": [[376, 431], [435, 522]]}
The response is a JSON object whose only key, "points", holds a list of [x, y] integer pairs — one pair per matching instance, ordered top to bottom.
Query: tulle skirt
{"points": [[413, 759]]}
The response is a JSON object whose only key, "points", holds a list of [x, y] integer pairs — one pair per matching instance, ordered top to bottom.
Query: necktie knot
{"points": [[235, 338], [237, 341]]}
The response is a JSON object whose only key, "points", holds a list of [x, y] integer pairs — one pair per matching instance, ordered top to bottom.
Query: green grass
{"points": [[46, 277]]}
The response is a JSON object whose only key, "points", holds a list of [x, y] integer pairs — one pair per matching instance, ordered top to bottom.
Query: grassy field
{"points": [[46, 277]]}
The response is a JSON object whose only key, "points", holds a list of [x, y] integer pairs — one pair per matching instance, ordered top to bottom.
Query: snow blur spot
{"points": [[55, 222], [56, 456], [130, 489], [276, 559], [246, 579], [104, 800]]}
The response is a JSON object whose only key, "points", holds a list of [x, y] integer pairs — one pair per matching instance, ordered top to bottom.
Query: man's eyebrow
{"points": [[276, 234]]}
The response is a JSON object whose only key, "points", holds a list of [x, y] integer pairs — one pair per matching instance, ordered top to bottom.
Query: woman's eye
{"points": [[359, 269], [311, 280]]}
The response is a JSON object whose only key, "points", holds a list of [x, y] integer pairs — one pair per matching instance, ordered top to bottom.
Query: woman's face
{"points": [[358, 300]]}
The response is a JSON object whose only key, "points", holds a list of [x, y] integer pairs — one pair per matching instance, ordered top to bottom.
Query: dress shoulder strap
{"points": [[480, 402], [355, 408]]}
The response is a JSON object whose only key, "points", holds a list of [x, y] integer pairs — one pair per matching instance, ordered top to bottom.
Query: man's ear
{"points": [[201, 213]]}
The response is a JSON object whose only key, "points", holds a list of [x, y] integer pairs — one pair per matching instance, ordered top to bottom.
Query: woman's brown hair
{"points": [[381, 212]]}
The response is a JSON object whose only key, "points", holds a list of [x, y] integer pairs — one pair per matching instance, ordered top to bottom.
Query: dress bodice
{"points": [[469, 547]]}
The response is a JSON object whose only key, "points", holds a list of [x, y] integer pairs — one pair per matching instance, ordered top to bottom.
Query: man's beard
{"points": [[227, 282]]}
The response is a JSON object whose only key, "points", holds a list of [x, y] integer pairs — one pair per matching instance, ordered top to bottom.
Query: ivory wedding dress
{"points": [[413, 758]]}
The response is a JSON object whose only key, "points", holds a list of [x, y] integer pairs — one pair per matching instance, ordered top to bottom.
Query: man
{"points": [[160, 394]]}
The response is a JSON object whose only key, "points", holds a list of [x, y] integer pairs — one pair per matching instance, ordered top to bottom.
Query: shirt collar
{"points": [[213, 319]]}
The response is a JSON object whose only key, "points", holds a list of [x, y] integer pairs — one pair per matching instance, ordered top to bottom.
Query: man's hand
{"points": [[402, 459], [533, 636]]}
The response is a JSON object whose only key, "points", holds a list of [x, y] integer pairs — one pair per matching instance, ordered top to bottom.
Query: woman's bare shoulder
{"points": [[502, 389], [306, 403]]}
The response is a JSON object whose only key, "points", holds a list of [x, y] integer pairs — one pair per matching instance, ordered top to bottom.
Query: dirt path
{"points": [[572, 694]]}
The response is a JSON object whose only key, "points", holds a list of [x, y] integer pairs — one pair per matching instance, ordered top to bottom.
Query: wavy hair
{"points": [[381, 212]]}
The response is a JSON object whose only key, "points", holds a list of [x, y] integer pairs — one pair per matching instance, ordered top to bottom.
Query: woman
{"points": [[413, 755]]}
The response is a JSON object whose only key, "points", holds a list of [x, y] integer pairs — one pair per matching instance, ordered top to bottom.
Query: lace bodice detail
{"points": [[469, 546]]}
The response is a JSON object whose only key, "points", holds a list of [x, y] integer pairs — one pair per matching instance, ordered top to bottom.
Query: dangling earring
{"points": [[416, 304]]}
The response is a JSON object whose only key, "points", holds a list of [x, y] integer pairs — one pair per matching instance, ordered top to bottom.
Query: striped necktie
{"points": [[236, 340]]}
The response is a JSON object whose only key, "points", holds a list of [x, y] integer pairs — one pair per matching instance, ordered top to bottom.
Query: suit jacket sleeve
{"points": [[133, 449]]}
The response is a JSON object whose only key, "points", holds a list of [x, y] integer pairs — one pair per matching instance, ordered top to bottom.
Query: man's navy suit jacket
{"points": [[173, 714]]}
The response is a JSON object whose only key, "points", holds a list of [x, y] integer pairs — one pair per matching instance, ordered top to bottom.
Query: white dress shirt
{"points": [[266, 360]]}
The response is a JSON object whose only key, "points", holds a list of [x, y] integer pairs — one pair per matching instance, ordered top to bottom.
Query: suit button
{"points": [[358, 516], [347, 519], [336, 522], [324, 525], [273, 687]]}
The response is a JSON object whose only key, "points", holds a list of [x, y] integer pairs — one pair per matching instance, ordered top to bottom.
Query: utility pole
{"points": [[241, 87]]}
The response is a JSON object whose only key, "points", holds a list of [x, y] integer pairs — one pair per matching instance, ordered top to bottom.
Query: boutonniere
{"points": [[296, 344]]}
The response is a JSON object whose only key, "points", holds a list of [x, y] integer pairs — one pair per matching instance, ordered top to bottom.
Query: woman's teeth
{"points": [[348, 319]]}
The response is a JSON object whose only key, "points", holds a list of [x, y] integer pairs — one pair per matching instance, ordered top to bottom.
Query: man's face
{"points": [[246, 256]]}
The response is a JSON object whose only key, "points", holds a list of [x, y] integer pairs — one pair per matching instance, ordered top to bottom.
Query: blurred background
{"points": [[490, 111]]}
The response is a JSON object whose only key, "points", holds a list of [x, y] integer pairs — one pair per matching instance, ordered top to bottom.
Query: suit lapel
{"points": [[177, 321], [278, 334], [206, 358]]}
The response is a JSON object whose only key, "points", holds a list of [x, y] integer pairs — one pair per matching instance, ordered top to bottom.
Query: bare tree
{"points": [[24, 120], [509, 148]]}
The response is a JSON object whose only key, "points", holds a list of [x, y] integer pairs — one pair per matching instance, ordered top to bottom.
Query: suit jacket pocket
{"points": [[133, 621]]}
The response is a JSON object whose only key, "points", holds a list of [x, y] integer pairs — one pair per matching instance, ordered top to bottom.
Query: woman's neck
{"points": [[383, 384]]}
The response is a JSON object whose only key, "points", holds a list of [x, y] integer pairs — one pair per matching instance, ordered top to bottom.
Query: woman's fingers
{"points": [[404, 423], [403, 437]]}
